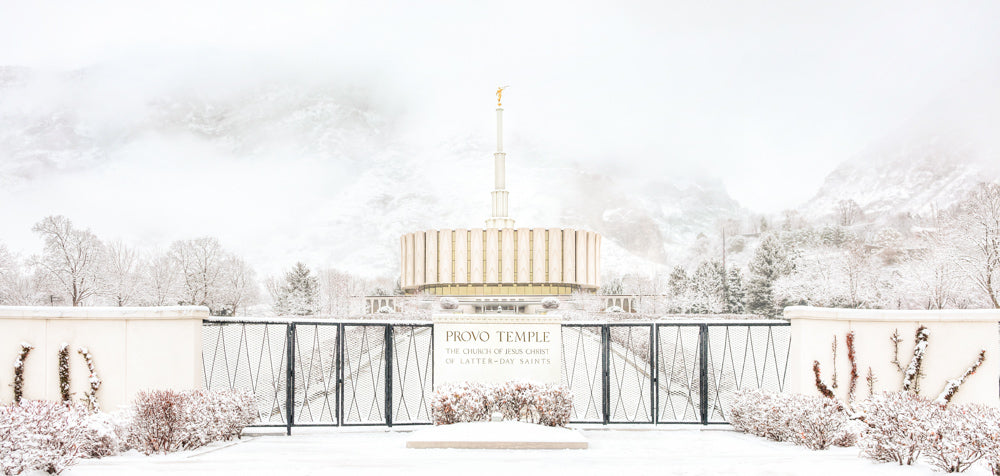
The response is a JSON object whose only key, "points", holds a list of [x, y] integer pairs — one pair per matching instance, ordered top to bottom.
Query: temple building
{"points": [[500, 267]]}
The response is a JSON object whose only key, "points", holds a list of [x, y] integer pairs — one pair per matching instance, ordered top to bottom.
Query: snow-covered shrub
{"points": [[448, 303], [550, 303], [614, 309], [385, 310], [459, 403], [545, 404], [760, 414], [168, 420], [810, 421], [818, 423], [898, 427], [105, 434], [39, 435], [991, 436], [958, 437]]}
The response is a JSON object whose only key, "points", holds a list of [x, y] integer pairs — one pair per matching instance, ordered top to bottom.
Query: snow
{"points": [[506, 431], [623, 450]]}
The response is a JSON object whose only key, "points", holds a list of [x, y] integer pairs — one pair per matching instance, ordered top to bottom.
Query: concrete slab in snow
{"points": [[506, 435]]}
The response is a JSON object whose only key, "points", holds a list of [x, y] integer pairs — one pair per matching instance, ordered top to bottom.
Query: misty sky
{"points": [[768, 96]]}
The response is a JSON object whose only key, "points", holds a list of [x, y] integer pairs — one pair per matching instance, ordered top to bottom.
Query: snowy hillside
{"points": [[932, 161], [327, 170], [347, 183]]}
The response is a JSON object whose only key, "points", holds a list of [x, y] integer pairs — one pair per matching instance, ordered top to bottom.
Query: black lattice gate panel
{"points": [[248, 356], [753, 356], [316, 363], [582, 371], [360, 373], [412, 373], [630, 373], [678, 374], [364, 375]]}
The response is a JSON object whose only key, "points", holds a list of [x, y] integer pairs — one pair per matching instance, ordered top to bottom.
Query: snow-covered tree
{"points": [[848, 212], [978, 228], [71, 257], [771, 260], [200, 264], [122, 275], [212, 277], [678, 280], [162, 281], [239, 286], [613, 286], [17, 288], [707, 288], [341, 292], [736, 294], [299, 295]]}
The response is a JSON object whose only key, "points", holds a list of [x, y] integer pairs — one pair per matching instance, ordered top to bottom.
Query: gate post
{"points": [[606, 372], [703, 372], [340, 374], [388, 374], [654, 374], [290, 378]]}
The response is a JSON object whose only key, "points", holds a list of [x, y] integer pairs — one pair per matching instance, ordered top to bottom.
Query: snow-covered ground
{"points": [[680, 450]]}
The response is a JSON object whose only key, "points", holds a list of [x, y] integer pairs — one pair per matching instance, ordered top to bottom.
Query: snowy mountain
{"points": [[932, 161], [288, 170], [323, 170]]}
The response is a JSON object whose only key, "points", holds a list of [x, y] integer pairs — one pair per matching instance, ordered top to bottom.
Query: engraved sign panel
{"points": [[496, 348]]}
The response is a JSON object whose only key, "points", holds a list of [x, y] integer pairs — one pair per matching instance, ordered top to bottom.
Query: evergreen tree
{"points": [[770, 261], [678, 281], [615, 287], [707, 288], [299, 296], [735, 303]]}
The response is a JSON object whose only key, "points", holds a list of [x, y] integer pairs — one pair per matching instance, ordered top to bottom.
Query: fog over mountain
{"points": [[929, 162], [300, 170], [328, 170]]}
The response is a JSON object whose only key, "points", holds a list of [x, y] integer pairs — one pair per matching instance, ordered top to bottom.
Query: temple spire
{"points": [[499, 217]]}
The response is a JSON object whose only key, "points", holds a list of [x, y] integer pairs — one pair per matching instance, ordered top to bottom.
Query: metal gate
{"points": [[670, 372], [355, 373]]}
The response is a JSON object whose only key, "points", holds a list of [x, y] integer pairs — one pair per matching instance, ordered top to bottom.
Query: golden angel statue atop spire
{"points": [[500, 93]]}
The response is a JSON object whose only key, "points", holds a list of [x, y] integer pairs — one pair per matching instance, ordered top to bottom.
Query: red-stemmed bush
{"points": [[545, 404], [167, 420], [814, 422], [39, 435]]}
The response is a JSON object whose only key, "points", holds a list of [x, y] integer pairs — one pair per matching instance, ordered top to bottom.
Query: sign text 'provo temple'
{"points": [[498, 336]]}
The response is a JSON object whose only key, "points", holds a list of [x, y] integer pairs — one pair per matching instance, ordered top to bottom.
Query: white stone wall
{"points": [[507, 256], [955, 339], [134, 348]]}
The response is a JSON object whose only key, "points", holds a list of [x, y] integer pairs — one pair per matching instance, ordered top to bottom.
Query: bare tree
{"points": [[848, 212], [978, 228], [70, 256], [200, 263], [122, 277], [163, 281], [239, 285], [16, 286], [337, 289]]}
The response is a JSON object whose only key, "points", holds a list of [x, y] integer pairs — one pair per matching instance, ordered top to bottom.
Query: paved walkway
{"points": [[681, 451]]}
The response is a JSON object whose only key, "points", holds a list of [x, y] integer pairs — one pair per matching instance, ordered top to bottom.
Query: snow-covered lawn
{"points": [[614, 452]]}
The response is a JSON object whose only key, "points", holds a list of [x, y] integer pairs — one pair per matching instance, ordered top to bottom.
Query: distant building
{"points": [[500, 268]]}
